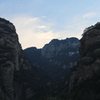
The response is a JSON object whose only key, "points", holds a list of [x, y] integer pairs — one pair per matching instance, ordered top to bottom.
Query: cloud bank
{"points": [[33, 31], [36, 31]]}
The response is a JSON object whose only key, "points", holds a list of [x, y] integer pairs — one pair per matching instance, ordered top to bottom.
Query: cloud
{"points": [[89, 15], [80, 22], [33, 31], [37, 31]]}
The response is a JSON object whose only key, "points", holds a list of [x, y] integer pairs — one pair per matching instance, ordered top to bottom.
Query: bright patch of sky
{"points": [[39, 21]]}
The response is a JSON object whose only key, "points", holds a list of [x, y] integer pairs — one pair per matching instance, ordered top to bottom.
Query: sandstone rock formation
{"points": [[85, 79]]}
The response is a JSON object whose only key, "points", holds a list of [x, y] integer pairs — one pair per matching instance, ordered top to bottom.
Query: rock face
{"points": [[61, 55], [56, 56], [56, 60], [11, 62], [85, 79]]}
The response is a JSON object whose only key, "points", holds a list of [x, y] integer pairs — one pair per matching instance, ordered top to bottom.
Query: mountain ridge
{"points": [[58, 71]]}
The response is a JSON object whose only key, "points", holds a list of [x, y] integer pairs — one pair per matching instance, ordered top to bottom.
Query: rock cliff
{"points": [[12, 62], [85, 79]]}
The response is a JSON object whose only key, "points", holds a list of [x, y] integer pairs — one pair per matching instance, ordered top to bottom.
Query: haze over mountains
{"points": [[62, 70]]}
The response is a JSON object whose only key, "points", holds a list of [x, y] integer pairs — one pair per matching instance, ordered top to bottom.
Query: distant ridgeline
{"points": [[56, 58], [62, 70]]}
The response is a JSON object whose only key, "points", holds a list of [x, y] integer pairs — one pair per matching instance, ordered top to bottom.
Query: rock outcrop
{"points": [[12, 63], [85, 79]]}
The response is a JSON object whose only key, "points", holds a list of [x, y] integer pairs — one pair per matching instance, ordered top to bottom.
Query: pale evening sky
{"points": [[39, 21]]}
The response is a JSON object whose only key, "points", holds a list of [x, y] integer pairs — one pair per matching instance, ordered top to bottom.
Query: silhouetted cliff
{"points": [[12, 63], [85, 79]]}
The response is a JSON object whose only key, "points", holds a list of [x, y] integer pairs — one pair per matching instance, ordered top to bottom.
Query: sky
{"points": [[37, 22]]}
